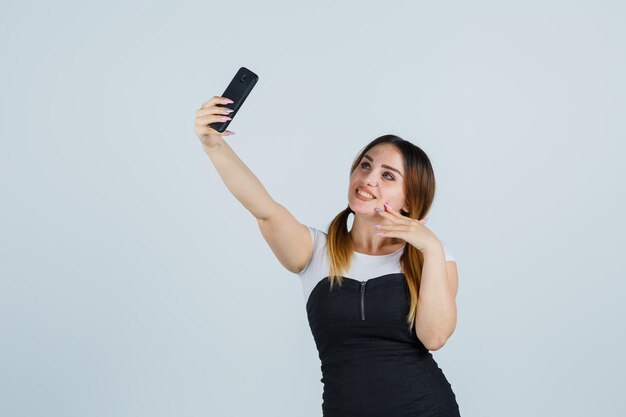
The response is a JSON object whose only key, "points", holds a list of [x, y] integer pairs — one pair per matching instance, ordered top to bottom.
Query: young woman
{"points": [[379, 297]]}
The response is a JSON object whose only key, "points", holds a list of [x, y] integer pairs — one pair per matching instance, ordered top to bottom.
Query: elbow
{"points": [[433, 340], [435, 344]]}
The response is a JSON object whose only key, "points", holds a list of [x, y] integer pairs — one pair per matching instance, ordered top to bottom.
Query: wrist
{"points": [[207, 147], [433, 247]]}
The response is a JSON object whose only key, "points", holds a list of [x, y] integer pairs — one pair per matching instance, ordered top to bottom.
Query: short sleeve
{"points": [[314, 237], [449, 255], [317, 265]]}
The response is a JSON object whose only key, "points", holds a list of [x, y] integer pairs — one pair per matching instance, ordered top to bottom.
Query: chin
{"points": [[363, 210]]}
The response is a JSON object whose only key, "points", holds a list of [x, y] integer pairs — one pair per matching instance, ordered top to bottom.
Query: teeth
{"points": [[364, 194]]}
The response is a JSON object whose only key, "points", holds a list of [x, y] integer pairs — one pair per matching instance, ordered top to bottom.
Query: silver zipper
{"points": [[362, 300]]}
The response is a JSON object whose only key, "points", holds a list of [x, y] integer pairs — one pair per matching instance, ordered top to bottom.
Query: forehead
{"points": [[385, 153]]}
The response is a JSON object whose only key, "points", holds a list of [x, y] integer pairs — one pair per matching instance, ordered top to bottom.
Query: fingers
{"points": [[216, 100], [213, 110], [203, 111], [210, 112], [211, 118], [388, 210], [396, 217]]}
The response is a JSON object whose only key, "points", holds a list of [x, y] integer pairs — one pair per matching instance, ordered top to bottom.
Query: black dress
{"points": [[371, 363]]}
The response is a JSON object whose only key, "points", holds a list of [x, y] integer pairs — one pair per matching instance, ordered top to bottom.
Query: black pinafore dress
{"points": [[372, 364]]}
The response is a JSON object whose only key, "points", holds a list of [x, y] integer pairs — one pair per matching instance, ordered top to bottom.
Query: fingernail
{"points": [[229, 101], [387, 205], [378, 209]]}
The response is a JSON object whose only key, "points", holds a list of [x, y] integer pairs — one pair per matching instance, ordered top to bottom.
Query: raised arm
{"points": [[289, 239]]}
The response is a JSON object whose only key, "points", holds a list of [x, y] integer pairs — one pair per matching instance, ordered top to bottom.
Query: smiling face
{"points": [[380, 173]]}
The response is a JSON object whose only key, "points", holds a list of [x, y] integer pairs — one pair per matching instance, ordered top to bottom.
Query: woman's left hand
{"points": [[412, 231]]}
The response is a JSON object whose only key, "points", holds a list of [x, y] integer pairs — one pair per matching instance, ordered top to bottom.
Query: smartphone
{"points": [[238, 89]]}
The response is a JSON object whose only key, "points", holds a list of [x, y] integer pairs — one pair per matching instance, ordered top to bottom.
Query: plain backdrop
{"points": [[134, 284]]}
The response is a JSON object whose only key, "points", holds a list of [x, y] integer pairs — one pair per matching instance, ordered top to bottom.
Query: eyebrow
{"points": [[384, 166]]}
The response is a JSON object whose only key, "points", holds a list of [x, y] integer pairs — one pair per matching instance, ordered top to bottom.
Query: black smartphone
{"points": [[238, 89]]}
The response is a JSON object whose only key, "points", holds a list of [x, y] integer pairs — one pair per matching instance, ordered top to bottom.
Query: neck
{"points": [[364, 239]]}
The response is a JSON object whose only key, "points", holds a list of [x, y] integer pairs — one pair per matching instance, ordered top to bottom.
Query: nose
{"points": [[370, 179]]}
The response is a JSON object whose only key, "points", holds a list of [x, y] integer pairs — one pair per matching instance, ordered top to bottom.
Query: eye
{"points": [[386, 172]]}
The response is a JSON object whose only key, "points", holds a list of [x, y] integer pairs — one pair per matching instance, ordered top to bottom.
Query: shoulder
{"points": [[315, 232], [318, 236], [448, 251], [317, 254]]}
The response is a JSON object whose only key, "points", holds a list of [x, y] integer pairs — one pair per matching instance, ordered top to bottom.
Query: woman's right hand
{"points": [[211, 113]]}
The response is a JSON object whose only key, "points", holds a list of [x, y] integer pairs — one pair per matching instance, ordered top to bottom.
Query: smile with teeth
{"points": [[366, 195]]}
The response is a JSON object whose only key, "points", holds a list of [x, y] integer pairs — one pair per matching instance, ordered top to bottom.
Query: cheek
{"points": [[355, 179]]}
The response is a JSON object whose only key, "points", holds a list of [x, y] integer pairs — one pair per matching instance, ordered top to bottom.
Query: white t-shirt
{"points": [[362, 268]]}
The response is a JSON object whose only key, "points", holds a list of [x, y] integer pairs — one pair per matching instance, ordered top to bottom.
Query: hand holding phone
{"points": [[217, 113]]}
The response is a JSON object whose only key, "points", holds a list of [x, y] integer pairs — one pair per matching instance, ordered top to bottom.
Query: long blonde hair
{"points": [[419, 190]]}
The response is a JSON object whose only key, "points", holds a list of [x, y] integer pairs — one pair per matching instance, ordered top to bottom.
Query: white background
{"points": [[134, 284]]}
